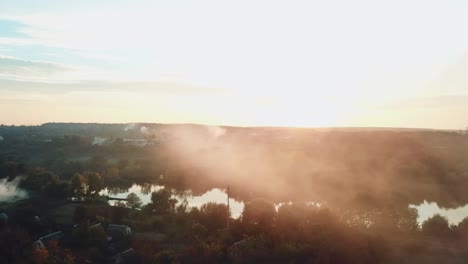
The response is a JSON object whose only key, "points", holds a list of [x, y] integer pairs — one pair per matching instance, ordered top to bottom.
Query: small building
{"points": [[119, 231], [42, 241], [127, 256]]}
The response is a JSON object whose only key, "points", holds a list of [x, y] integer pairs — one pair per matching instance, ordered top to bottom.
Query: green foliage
{"points": [[98, 163], [10, 168], [374, 175], [37, 179], [94, 182], [88, 184], [78, 185], [57, 189], [133, 201], [162, 202], [183, 207], [119, 212], [81, 214], [259, 214], [214, 216], [408, 220], [298, 221], [158, 223], [436, 226], [461, 230], [199, 231], [85, 235], [15, 245], [203, 252], [56, 255], [165, 257]]}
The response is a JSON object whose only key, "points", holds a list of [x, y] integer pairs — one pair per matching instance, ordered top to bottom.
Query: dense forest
{"points": [[310, 195]]}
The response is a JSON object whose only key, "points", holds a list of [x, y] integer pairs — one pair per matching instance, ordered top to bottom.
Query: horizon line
{"points": [[246, 126]]}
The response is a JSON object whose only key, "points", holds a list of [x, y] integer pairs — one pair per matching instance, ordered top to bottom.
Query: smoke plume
{"points": [[9, 191]]}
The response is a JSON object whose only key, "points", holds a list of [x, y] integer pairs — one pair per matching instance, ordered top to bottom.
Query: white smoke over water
{"points": [[130, 126], [10, 192]]}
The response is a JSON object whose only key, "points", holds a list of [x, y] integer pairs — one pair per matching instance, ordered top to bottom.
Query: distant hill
{"points": [[143, 130]]}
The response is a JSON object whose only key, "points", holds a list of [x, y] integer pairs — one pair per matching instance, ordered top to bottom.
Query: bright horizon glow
{"points": [[247, 63]]}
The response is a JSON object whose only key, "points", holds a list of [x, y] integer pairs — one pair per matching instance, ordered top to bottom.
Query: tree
{"points": [[98, 163], [10, 168], [39, 178], [94, 183], [78, 185], [57, 189], [133, 201], [161, 201], [259, 213], [81, 214], [214, 216], [409, 220], [437, 226], [461, 230], [86, 235], [14, 246], [55, 254], [40, 255], [165, 257]]}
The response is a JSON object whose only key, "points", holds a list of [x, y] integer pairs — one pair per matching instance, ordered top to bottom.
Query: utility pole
{"points": [[228, 209]]}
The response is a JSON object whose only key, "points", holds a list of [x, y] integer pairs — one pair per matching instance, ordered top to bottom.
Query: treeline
{"points": [[343, 168], [296, 232]]}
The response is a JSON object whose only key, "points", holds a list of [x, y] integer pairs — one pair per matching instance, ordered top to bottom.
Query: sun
{"points": [[297, 111]]}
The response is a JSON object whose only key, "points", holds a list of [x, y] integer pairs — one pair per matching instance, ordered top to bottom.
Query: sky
{"points": [[249, 63]]}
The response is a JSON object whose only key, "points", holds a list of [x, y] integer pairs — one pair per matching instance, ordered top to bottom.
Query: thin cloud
{"points": [[15, 41], [16, 68], [23, 70], [105, 86]]}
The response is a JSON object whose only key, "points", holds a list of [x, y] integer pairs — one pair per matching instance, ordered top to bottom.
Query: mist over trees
{"points": [[357, 168], [311, 195]]}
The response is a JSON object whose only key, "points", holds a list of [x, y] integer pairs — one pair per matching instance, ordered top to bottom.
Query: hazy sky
{"points": [[302, 63]]}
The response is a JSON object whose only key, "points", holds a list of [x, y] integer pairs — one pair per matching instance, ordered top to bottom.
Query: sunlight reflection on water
{"points": [[215, 196], [428, 209]]}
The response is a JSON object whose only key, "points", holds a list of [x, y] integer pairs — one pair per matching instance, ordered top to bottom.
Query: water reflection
{"points": [[147, 188], [144, 192], [215, 195], [427, 210]]}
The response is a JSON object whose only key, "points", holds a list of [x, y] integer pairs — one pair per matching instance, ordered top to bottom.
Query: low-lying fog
{"points": [[10, 192], [425, 210]]}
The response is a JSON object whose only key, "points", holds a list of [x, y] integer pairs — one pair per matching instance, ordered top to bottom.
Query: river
{"points": [[10, 192], [214, 196], [425, 209]]}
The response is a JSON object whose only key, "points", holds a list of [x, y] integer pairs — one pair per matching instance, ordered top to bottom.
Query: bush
{"points": [[164, 257]]}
